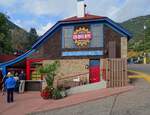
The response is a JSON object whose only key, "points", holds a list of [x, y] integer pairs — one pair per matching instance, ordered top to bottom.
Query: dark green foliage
{"points": [[32, 37], [13, 38], [5, 39], [49, 71], [56, 94]]}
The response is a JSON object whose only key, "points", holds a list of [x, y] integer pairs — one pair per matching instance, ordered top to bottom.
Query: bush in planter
{"points": [[49, 71], [62, 90], [46, 93], [56, 94]]}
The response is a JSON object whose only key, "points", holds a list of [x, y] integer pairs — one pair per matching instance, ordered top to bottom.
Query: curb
{"points": [[139, 74]]}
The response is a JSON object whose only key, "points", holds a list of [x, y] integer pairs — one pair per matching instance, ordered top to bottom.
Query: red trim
{"points": [[86, 17], [28, 67], [27, 70]]}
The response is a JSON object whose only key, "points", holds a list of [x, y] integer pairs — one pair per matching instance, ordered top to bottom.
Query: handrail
{"points": [[73, 76]]}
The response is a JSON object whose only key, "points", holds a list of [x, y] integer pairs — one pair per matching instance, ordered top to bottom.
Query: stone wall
{"points": [[124, 47], [69, 68]]}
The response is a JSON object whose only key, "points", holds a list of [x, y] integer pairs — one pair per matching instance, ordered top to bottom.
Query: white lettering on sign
{"points": [[82, 37]]}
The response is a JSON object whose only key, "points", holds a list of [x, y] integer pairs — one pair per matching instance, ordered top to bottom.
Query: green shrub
{"points": [[49, 71], [56, 94]]}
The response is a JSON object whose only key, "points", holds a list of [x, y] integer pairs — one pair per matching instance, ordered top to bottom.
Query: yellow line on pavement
{"points": [[139, 75]]}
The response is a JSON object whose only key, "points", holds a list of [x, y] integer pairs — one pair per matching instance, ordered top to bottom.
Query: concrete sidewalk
{"points": [[32, 102], [135, 102]]}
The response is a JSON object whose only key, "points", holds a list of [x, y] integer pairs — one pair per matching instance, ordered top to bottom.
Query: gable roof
{"points": [[86, 17], [73, 20]]}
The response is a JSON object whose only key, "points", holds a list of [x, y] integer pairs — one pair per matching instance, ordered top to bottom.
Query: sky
{"points": [[43, 14]]}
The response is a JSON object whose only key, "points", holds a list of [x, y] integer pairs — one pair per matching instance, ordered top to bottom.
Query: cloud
{"points": [[7, 2], [49, 7], [104, 7], [131, 9], [118, 10], [47, 12], [27, 24], [44, 28]]}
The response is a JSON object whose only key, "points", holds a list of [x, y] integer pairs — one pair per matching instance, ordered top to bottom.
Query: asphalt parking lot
{"points": [[140, 67], [135, 102]]}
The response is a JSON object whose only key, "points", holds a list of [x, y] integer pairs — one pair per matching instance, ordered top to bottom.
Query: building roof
{"points": [[86, 17], [73, 20], [4, 58]]}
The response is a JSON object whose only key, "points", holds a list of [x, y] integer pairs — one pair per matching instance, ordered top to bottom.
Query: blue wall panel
{"points": [[82, 53]]}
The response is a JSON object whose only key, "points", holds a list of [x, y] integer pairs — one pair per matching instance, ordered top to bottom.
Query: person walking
{"points": [[22, 82], [10, 85]]}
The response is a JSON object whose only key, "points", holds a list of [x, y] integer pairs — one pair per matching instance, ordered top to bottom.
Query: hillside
{"points": [[136, 27], [18, 39]]}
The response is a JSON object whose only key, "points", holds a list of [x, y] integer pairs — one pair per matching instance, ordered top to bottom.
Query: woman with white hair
{"points": [[10, 84]]}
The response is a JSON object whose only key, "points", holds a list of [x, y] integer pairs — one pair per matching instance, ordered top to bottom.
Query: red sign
{"points": [[82, 37]]}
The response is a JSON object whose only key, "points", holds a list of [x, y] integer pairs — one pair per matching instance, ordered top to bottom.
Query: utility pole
{"points": [[144, 44]]}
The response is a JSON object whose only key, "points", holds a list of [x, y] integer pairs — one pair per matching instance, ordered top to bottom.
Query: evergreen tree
{"points": [[32, 37], [5, 38]]}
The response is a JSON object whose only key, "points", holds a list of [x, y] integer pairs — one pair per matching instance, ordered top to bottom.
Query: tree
{"points": [[32, 37], [5, 38], [19, 40], [49, 71]]}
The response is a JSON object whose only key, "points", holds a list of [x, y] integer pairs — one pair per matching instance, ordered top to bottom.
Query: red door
{"points": [[94, 71]]}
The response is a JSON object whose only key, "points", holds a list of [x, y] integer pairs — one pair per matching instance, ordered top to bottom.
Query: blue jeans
{"points": [[10, 95]]}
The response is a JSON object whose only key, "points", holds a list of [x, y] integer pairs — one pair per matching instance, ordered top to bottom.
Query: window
{"points": [[97, 33], [67, 37]]}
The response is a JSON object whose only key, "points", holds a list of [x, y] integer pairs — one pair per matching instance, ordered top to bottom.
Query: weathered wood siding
{"points": [[111, 36], [51, 48], [116, 72]]}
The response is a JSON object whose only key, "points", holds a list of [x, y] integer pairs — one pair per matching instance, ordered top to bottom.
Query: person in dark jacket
{"points": [[22, 82], [10, 84]]}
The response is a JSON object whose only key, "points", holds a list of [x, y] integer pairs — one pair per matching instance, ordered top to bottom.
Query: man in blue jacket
{"points": [[10, 85]]}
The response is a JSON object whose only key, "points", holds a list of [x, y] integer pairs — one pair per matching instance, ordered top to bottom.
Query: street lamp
{"points": [[143, 44]]}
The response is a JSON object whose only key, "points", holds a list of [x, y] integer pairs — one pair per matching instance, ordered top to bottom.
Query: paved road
{"points": [[140, 67], [136, 102]]}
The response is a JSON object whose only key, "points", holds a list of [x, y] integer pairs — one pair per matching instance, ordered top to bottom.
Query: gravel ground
{"points": [[136, 102]]}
